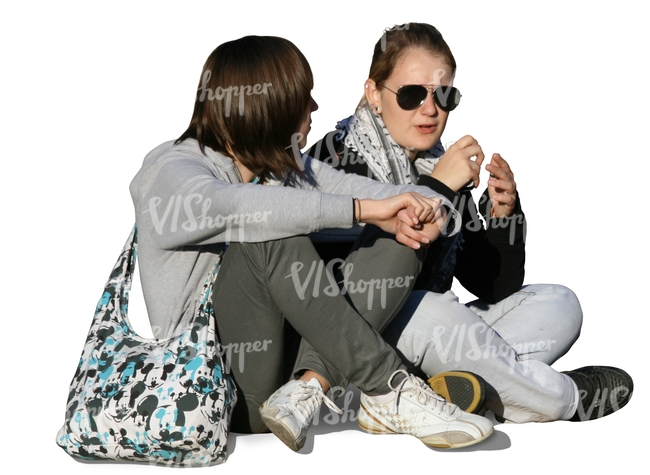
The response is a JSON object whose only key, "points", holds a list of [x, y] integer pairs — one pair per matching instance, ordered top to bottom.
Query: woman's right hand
{"points": [[456, 167], [413, 219]]}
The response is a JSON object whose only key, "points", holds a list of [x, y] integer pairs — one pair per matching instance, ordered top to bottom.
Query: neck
{"points": [[410, 153], [246, 175]]}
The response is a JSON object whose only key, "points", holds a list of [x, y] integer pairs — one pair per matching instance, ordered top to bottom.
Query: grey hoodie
{"points": [[189, 204]]}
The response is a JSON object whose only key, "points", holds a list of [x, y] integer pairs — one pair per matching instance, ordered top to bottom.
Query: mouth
{"points": [[425, 129]]}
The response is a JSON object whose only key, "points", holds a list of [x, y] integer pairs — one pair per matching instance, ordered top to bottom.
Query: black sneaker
{"points": [[465, 389], [603, 390]]}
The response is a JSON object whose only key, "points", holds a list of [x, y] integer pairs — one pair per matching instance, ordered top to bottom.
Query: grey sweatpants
{"points": [[263, 286]]}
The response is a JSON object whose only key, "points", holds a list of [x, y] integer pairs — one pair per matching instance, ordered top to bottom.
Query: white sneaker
{"points": [[413, 408], [289, 411]]}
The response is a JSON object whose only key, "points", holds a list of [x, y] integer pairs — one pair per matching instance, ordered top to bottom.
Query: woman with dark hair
{"points": [[232, 180], [513, 333]]}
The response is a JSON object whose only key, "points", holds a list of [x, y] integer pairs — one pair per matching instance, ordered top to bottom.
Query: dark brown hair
{"points": [[396, 41], [251, 99]]}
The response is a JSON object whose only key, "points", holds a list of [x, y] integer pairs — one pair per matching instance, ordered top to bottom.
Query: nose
{"points": [[314, 105], [429, 106]]}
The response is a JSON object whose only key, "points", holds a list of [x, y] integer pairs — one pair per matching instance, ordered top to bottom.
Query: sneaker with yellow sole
{"points": [[465, 389]]}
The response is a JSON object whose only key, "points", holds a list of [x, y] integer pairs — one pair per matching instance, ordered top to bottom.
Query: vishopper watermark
{"points": [[382, 41], [204, 92], [348, 156], [335, 159], [194, 212], [514, 222], [348, 285], [476, 342], [240, 349], [225, 351], [613, 396], [349, 411]]}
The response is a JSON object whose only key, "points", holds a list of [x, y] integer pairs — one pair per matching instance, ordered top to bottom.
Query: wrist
{"points": [[441, 178], [436, 185], [366, 210], [356, 211]]}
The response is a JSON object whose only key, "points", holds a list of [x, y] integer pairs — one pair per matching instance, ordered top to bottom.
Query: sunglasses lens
{"points": [[411, 97], [447, 97]]}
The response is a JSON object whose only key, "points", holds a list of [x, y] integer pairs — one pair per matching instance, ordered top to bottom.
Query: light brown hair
{"points": [[396, 41]]}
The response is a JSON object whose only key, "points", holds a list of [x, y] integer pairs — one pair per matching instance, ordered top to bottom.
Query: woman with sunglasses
{"points": [[232, 180], [512, 334]]}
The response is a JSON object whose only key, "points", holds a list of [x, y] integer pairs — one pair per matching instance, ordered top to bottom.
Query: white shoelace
{"points": [[423, 392], [307, 399]]}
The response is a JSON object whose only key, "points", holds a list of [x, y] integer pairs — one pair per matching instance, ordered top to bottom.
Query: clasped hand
{"points": [[415, 220]]}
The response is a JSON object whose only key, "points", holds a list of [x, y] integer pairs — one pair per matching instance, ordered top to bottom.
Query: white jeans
{"points": [[510, 344]]}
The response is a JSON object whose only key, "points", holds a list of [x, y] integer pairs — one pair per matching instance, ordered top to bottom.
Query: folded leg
{"points": [[540, 321], [436, 333]]}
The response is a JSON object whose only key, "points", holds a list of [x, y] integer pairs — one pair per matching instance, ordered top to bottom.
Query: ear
{"points": [[373, 95]]}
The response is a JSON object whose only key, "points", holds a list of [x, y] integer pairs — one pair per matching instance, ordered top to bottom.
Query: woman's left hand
{"points": [[502, 188], [411, 217], [414, 230]]}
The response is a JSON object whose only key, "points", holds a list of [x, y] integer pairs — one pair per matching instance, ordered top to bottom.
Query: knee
{"points": [[270, 253], [558, 295], [568, 301], [564, 305]]}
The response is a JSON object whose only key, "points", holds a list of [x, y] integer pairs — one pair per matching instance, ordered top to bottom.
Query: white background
{"points": [[559, 89]]}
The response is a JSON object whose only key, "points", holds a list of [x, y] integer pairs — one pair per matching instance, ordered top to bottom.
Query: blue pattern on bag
{"points": [[148, 400]]}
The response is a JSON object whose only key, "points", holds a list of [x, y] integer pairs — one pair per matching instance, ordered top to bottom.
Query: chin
{"points": [[421, 146]]}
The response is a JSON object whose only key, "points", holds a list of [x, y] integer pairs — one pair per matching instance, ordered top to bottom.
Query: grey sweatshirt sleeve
{"points": [[331, 180], [183, 198]]}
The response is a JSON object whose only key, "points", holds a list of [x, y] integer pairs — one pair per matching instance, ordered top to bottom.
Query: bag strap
{"points": [[124, 268], [119, 283]]}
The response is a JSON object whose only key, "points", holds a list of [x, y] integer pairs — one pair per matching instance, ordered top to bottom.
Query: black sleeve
{"points": [[437, 186], [491, 261]]}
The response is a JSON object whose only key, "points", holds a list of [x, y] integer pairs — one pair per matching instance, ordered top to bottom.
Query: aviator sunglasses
{"points": [[413, 96]]}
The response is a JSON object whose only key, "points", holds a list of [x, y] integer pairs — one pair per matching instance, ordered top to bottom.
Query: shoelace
{"points": [[423, 392], [307, 399]]}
